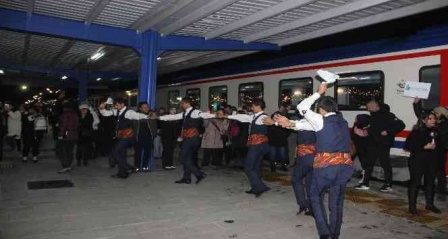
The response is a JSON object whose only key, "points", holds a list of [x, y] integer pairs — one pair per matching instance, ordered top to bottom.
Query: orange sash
{"points": [[125, 133], [189, 133], [255, 139], [305, 149], [323, 160]]}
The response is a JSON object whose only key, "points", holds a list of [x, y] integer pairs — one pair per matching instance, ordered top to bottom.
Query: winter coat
{"points": [[383, 120], [14, 123], [68, 125], [86, 128], [211, 139], [417, 140]]}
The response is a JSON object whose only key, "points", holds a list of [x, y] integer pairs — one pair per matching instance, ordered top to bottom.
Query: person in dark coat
{"points": [[382, 129], [169, 132], [31, 133], [67, 136], [144, 136], [360, 139], [278, 143], [423, 143], [84, 148]]}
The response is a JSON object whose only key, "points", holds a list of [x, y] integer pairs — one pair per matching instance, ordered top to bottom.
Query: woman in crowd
{"points": [[14, 122], [34, 128], [67, 136], [212, 140], [423, 143], [84, 148]]}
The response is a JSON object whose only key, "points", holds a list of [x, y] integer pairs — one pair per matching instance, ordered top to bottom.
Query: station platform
{"points": [[150, 205]]}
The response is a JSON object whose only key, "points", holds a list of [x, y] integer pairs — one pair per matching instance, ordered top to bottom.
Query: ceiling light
{"points": [[97, 56], [159, 58], [1, 72], [64, 78], [116, 78], [98, 79], [24, 87]]}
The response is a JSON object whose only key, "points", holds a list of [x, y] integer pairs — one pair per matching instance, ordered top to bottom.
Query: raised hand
{"points": [[322, 88], [268, 121], [282, 121]]}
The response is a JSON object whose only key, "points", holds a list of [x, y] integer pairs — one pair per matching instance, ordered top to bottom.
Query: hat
{"points": [[327, 76], [109, 101], [83, 106], [441, 110]]}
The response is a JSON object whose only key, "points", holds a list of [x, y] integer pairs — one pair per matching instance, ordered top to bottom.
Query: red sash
{"points": [[189, 133], [255, 139], [305, 149], [323, 160]]}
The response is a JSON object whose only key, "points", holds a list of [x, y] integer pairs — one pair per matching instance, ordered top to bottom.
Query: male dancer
{"points": [[124, 133], [190, 139], [258, 145], [332, 164]]}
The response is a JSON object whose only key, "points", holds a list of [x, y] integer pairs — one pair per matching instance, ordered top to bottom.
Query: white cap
{"points": [[328, 77], [109, 101], [83, 106]]}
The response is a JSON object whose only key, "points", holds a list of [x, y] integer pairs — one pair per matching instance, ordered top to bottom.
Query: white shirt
{"points": [[130, 114], [195, 115], [245, 118], [96, 120], [313, 121]]}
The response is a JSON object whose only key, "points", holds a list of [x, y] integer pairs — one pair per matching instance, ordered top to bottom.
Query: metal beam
{"points": [[30, 6], [210, 8], [96, 10], [335, 12], [156, 16], [387, 16], [257, 17], [40, 24], [184, 43], [26, 48], [62, 52], [176, 60], [203, 61], [67, 72]]}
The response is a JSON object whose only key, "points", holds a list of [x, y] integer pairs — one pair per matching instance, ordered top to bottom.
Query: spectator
{"points": [[14, 122], [383, 127], [34, 128], [170, 131], [239, 133], [67, 136], [360, 139], [143, 140], [212, 140], [278, 143], [423, 143], [158, 147], [84, 148]]}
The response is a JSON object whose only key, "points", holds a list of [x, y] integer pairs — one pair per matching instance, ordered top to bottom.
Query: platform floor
{"points": [[150, 205]]}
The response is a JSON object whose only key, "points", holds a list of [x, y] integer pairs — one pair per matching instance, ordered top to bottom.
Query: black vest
{"points": [[122, 122], [189, 122], [258, 129]]}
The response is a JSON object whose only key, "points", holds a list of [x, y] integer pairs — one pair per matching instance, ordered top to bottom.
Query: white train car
{"points": [[376, 76]]}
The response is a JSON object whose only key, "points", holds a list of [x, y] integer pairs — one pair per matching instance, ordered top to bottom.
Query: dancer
{"points": [[190, 139], [258, 145], [332, 164]]}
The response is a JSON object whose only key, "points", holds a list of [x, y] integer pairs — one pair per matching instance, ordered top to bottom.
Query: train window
{"points": [[431, 74], [354, 90], [292, 91], [249, 92], [195, 96], [217, 96], [174, 99], [133, 101]]}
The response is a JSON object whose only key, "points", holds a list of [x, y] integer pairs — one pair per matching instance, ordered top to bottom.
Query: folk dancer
{"points": [[124, 133], [190, 139], [332, 163]]}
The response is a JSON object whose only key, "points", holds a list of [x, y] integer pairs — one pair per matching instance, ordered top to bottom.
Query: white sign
{"points": [[417, 90]]}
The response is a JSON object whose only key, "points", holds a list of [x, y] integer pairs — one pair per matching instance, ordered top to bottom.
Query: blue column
{"points": [[148, 68], [82, 87]]}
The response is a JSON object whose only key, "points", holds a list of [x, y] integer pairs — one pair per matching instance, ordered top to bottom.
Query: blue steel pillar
{"points": [[148, 68], [82, 87]]}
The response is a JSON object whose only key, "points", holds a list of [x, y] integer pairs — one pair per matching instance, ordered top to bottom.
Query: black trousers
{"points": [[31, 144], [64, 150], [84, 150], [143, 152], [381, 152], [168, 154], [216, 156], [422, 166], [440, 172]]}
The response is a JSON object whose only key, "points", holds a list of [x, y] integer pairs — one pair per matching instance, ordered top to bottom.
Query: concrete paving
{"points": [[150, 205]]}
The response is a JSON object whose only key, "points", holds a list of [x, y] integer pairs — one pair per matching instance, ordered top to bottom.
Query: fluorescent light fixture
{"points": [[97, 56], [159, 58], [1, 72], [64, 78], [116, 78], [98, 79], [24, 87], [40, 93]]}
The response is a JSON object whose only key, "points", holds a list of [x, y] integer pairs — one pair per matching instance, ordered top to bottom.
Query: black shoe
{"points": [[78, 163], [118, 175], [200, 178], [183, 181], [250, 191], [258, 194], [433, 209], [306, 210], [413, 211], [309, 212], [325, 237]]}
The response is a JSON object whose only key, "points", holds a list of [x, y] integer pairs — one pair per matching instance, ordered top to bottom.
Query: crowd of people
{"points": [[318, 146]]}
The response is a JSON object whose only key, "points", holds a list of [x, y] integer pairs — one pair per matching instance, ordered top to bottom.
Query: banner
{"points": [[417, 90]]}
